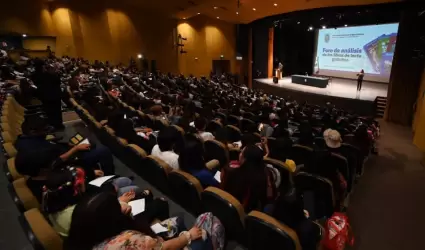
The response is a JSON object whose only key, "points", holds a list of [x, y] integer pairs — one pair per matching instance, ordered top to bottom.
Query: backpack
{"points": [[215, 230], [337, 232]]}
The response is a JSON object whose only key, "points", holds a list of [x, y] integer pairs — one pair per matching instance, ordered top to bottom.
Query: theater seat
{"points": [[233, 120], [213, 126], [247, 126], [234, 134], [7, 137], [9, 149], [215, 150], [300, 154], [341, 163], [10, 170], [284, 170], [157, 173], [186, 191], [318, 194], [22, 196], [228, 209], [265, 232], [40, 234]]}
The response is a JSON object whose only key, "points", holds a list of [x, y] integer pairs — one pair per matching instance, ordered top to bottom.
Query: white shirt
{"points": [[206, 136], [171, 158]]}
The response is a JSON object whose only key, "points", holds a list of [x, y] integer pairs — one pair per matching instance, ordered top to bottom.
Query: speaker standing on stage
{"points": [[360, 80]]}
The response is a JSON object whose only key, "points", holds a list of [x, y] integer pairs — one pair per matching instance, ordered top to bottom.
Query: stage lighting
{"points": [[298, 22], [346, 25], [323, 27], [310, 28], [24, 35], [139, 56]]}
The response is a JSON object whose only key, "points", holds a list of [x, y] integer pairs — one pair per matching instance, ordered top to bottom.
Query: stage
{"points": [[341, 92]]}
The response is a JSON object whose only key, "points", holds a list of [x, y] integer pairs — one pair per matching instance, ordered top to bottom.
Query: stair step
{"points": [[381, 106]]}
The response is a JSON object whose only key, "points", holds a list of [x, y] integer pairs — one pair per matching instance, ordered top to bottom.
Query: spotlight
{"points": [[346, 25], [323, 27], [310, 28], [24, 35], [139, 56]]}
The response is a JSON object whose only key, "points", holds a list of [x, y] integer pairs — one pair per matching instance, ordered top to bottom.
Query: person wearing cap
{"points": [[332, 138]]}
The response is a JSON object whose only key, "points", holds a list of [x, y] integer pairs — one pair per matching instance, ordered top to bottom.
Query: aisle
{"points": [[387, 206]]}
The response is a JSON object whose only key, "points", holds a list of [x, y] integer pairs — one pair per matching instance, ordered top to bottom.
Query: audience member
{"points": [[201, 125], [167, 140], [191, 160], [98, 223]]}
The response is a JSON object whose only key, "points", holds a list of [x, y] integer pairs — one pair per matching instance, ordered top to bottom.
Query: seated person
{"points": [[158, 114], [201, 125], [124, 128], [164, 150], [37, 156], [191, 160], [249, 182], [64, 189], [288, 209], [98, 223]]}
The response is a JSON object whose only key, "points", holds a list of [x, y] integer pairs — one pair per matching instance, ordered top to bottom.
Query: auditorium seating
{"points": [[265, 232]]}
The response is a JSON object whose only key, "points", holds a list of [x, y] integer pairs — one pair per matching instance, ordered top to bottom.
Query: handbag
{"points": [[338, 232]]}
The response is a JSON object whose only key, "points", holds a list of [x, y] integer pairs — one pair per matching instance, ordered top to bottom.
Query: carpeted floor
{"points": [[386, 208]]}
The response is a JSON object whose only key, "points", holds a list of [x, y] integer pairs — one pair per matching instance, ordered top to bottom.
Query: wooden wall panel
{"points": [[116, 33]]}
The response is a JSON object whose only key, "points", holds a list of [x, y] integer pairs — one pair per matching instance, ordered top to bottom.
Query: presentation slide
{"points": [[343, 52]]}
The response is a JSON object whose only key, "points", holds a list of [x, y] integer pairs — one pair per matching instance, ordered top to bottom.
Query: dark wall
{"points": [[260, 38], [294, 48]]}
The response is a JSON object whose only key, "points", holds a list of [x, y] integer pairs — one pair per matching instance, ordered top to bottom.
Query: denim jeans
{"points": [[124, 185]]}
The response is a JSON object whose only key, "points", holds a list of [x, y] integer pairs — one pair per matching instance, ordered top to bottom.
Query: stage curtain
{"points": [[406, 72]]}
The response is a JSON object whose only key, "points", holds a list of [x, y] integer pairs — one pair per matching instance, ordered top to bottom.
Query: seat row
{"points": [[187, 191], [35, 225]]}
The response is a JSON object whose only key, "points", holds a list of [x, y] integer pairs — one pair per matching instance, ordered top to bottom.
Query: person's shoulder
{"points": [[155, 150], [129, 237]]}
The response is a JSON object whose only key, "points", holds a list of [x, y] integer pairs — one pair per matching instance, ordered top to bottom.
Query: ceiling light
{"points": [[275, 4], [215, 7], [254, 9], [199, 13], [237, 13], [218, 17], [184, 18], [322, 18], [298, 22], [346, 25], [323, 27], [310, 28], [24, 35], [139, 56]]}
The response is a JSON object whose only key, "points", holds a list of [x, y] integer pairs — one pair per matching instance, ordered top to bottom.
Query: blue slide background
{"points": [[353, 39]]}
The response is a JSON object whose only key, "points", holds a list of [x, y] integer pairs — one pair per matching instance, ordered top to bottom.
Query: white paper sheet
{"points": [[85, 141], [217, 176], [99, 181], [137, 206], [158, 228]]}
